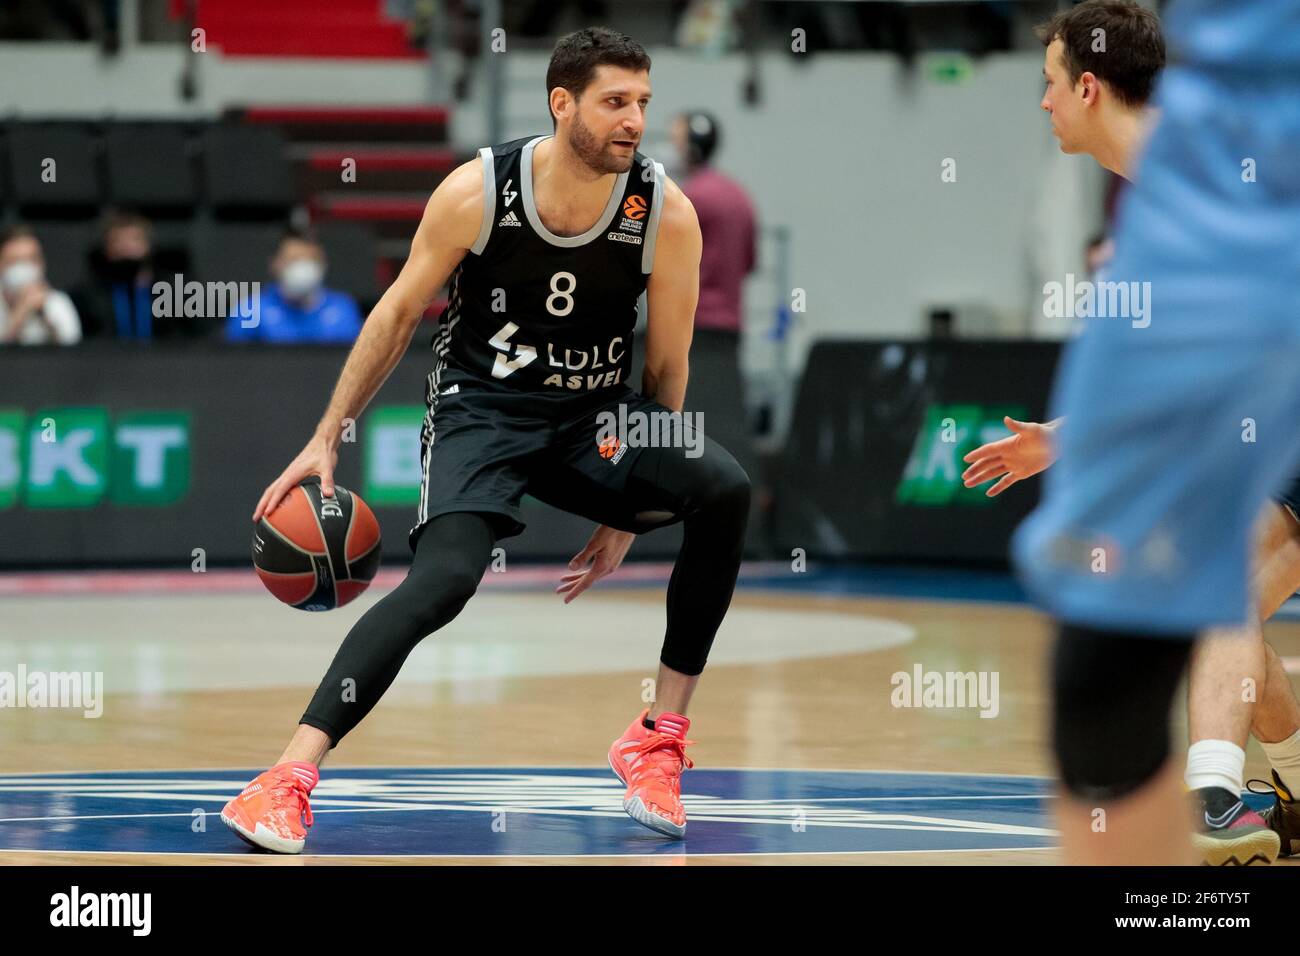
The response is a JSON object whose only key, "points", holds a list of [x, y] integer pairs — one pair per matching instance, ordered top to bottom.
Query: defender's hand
{"points": [[1028, 451], [318, 458], [604, 552]]}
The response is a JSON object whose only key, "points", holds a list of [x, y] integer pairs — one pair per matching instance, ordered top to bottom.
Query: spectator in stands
{"points": [[727, 224], [730, 232], [116, 301], [298, 307], [31, 313]]}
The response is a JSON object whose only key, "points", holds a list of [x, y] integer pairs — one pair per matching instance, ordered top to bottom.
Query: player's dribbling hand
{"points": [[1030, 449], [318, 458], [601, 555]]}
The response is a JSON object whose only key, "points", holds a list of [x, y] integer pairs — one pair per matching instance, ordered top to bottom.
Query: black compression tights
{"points": [[710, 495], [450, 558], [1111, 696]]}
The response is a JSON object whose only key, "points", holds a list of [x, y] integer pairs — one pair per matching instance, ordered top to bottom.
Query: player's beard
{"points": [[595, 152]]}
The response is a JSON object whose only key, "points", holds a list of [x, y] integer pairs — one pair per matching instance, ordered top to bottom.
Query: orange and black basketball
{"points": [[316, 553]]}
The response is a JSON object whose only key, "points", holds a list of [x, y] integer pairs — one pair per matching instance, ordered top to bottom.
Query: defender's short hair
{"points": [[1132, 50]]}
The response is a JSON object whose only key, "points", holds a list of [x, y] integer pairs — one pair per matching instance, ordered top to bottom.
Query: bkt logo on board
{"points": [[79, 457], [391, 466], [932, 476]]}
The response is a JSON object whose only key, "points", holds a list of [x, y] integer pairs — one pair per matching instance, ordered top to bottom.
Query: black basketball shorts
{"points": [[485, 445]]}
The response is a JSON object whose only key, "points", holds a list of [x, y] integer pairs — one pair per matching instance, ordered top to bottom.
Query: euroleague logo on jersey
{"points": [[634, 210], [610, 448]]}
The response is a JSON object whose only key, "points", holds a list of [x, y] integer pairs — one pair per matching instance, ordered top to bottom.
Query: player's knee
{"points": [[729, 489], [722, 511], [456, 587], [434, 600], [1110, 709]]}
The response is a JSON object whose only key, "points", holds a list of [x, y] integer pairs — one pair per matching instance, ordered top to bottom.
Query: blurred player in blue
{"points": [[1098, 101], [1182, 411]]}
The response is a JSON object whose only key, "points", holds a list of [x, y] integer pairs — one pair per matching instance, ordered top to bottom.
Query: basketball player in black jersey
{"points": [[548, 243]]}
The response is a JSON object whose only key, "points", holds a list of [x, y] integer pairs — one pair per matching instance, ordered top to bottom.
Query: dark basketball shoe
{"points": [[1283, 817], [1232, 834]]}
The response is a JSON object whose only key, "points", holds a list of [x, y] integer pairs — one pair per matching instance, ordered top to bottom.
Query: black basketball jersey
{"points": [[546, 313]]}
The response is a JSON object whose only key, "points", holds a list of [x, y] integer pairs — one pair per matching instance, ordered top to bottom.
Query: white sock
{"points": [[1285, 758], [1215, 763]]}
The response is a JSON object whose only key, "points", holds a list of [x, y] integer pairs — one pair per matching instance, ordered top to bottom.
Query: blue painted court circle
{"points": [[535, 811]]}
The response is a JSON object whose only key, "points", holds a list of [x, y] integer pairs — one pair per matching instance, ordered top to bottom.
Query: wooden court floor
{"points": [[218, 681]]}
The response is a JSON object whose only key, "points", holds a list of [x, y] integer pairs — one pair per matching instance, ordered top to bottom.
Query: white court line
{"points": [[166, 583], [448, 768], [910, 822], [249, 855]]}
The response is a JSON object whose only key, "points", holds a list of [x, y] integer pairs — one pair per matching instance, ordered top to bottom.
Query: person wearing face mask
{"points": [[116, 301], [297, 307], [31, 313]]}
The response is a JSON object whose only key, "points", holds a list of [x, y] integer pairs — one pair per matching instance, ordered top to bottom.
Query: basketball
{"points": [[316, 553]]}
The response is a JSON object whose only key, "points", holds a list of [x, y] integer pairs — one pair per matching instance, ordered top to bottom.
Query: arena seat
{"points": [[150, 168], [245, 173], [73, 188], [66, 245], [351, 250], [229, 251]]}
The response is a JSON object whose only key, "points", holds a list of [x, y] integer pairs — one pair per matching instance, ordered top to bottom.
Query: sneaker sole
{"points": [[638, 812], [264, 839], [1259, 846]]}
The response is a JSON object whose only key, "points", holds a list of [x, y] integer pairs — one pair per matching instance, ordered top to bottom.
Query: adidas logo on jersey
{"points": [[510, 219], [455, 389]]}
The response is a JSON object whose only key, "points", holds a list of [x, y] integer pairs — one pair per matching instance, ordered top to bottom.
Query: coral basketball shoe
{"points": [[650, 764], [271, 810]]}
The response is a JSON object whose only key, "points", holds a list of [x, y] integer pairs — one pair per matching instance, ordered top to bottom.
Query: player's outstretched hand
{"points": [[1030, 449], [318, 458], [601, 555]]}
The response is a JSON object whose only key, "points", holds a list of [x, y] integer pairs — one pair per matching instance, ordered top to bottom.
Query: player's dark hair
{"points": [[1126, 55], [573, 64]]}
